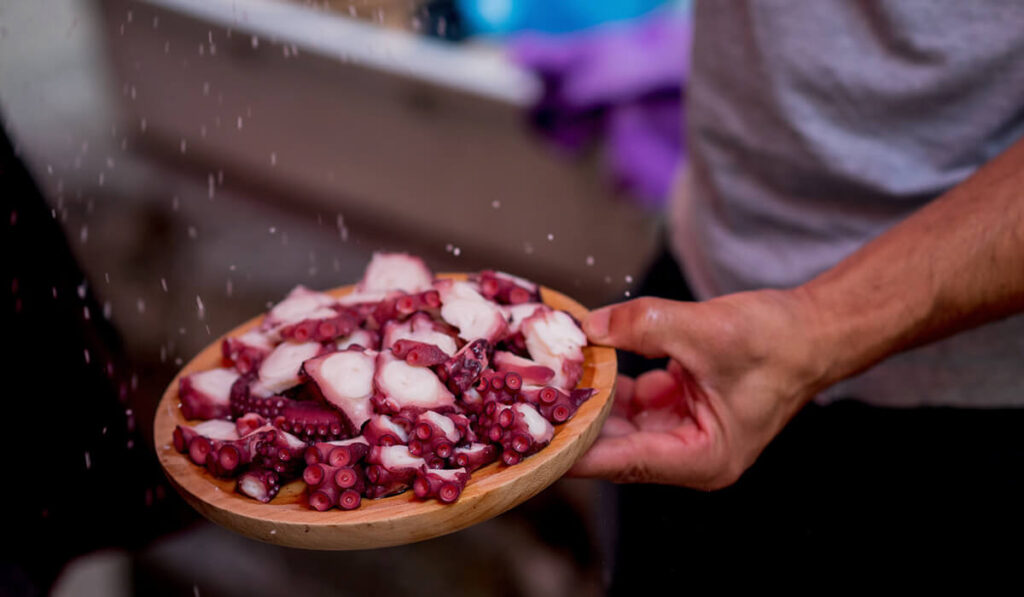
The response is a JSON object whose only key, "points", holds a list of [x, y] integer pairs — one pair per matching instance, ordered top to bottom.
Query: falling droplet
{"points": [[255, 42], [239, 123], [183, 146], [273, 158], [100, 179], [210, 186], [175, 203], [496, 204], [273, 229], [192, 232], [84, 234], [551, 236], [528, 248], [456, 251], [590, 260], [607, 279], [629, 279], [163, 284], [82, 288], [230, 288], [627, 294], [140, 304], [200, 308], [107, 309], [85, 312], [87, 356], [88, 461]]}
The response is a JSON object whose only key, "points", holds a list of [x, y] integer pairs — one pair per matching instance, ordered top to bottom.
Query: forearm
{"points": [[952, 265]]}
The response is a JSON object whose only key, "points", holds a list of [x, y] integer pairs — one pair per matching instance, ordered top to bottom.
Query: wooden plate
{"points": [[396, 520]]}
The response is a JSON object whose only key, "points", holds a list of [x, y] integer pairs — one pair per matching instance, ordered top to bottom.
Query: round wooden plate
{"points": [[396, 520]]}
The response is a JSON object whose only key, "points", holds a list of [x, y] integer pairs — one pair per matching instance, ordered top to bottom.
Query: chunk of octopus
{"points": [[395, 271], [506, 288], [301, 303], [516, 314], [474, 316], [417, 330], [362, 338], [554, 340], [246, 352], [280, 370], [532, 372], [345, 381], [406, 387], [207, 394], [214, 429], [383, 430], [434, 434], [346, 452], [474, 456], [391, 470], [259, 484], [445, 485]]}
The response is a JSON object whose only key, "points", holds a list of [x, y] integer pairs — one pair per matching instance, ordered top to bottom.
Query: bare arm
{"points": [[743, 364]]}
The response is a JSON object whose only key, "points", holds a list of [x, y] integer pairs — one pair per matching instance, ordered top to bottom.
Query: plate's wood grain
{"points": [[395, 520]]}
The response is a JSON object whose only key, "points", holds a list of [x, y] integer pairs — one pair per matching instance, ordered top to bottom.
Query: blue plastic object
{"points": [[498, 17]]}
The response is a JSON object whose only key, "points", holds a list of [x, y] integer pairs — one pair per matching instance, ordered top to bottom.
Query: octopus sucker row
{"points": [[407, 383]]}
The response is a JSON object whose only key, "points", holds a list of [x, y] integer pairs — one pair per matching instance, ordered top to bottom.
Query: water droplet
{"points": [[156, 22], [255, 42], [206, 88], [132, 92], [239, 123], [184, 146], [273, 158], [110, 162], [101, 179], [210, 191], [175, 203], [496, 204], [273, 230], [192, 232], [84, 234], [551, 236], [448, 248], [528, 248], [456, 251], [590, 260], [231, 267], [607, 279], [629, 279], [163, 284], [82, 288], [230, 290], [627, 294], [140, 304], [200, 308], [107, 309], [85, 312], [87, 356], [178, 361], [88, 461], [273, 531]]}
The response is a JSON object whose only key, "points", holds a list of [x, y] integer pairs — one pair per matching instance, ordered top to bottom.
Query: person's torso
{"points": [[816, 125]]}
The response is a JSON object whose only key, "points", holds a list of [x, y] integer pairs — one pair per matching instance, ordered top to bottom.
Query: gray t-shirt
{"points": [[816, 125]]}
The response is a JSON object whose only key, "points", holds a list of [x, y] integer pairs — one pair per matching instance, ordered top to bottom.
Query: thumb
{"points": [[647, 326]]}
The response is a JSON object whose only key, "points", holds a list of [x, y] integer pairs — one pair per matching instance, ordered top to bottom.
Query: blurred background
{"points": [[196, 159]]}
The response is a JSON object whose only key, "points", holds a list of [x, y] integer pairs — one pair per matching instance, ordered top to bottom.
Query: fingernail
{"points": [[596, 325]]}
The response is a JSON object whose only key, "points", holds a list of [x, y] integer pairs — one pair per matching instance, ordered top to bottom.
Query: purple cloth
{"points": [[620, 85]]}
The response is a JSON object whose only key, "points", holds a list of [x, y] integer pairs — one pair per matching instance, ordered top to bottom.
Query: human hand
{"points": [[740, 367]]}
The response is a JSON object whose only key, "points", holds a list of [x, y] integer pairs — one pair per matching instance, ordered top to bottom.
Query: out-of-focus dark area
{"points": [[188, 162]]}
